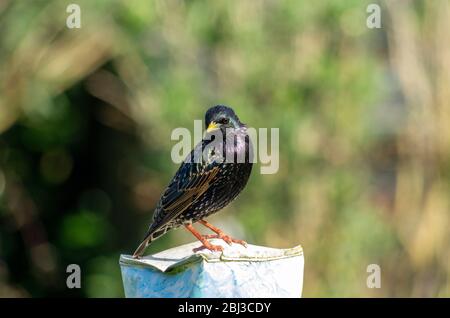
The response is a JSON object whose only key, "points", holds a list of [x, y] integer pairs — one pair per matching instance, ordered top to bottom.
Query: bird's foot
{"points": [[220, 235], [228, 239], [206, 244], [209, 246]]}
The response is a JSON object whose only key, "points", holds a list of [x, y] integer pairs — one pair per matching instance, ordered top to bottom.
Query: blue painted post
{"points": [[255, 271]]}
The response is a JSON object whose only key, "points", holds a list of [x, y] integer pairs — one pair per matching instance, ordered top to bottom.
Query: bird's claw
{"points": [[228, 239], [209, 246], [215, 248]]}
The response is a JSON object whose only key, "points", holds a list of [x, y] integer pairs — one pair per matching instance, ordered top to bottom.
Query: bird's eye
{"points": [[224, 121]]}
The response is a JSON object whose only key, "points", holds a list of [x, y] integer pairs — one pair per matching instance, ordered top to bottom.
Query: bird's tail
{"points": [[149, 237], [141, 248]]}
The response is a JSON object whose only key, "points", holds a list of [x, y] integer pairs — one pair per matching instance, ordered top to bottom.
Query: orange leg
{"points": [[220, 234], [205, 243]]}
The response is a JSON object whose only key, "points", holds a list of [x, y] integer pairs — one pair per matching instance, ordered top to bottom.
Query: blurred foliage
{"points": [[364, 116]]}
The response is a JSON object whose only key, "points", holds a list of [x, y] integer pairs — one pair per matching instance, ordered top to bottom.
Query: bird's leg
{"points": [[220, 234], [204, 241]]}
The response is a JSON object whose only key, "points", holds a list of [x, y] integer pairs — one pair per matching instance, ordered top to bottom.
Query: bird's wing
{"points": [[189, 183]]}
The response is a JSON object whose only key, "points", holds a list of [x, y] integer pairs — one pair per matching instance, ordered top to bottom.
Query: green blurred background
{"points": [[364, 116]]}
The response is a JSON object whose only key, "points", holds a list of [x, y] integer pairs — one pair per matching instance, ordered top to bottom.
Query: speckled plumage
{"points": [[205, 184]]}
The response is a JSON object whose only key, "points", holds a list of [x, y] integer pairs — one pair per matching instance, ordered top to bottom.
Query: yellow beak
{"points": [[212, 126]]}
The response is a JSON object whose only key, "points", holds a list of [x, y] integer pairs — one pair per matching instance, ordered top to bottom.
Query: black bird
{"points": [[210, 177]]}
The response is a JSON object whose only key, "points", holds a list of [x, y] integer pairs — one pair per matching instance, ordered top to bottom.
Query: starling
{"points": [[210, 177]]}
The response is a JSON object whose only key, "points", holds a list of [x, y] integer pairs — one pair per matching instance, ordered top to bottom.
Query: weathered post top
{"points": [[255, 271]]}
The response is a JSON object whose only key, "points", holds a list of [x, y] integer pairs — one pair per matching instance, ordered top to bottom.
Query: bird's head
{"points": [[221, 117]]}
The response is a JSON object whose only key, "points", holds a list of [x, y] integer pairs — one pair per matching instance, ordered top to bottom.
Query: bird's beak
{"points": [[212, 126]]}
